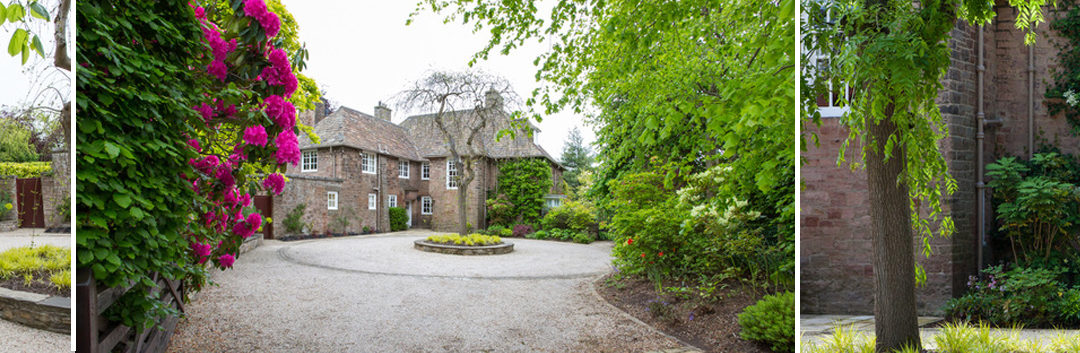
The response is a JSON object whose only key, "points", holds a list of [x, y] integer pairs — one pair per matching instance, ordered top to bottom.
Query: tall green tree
{"points": [[893, 54], [696, 82], [576, 157]]}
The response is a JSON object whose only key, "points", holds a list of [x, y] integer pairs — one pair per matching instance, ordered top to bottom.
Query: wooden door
{"points": [[265, 204], [31, 208]]}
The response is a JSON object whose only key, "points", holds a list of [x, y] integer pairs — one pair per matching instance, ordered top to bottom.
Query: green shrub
{"points": [[1036, 204], [500, 211], [574, 215], [399, 219], [293, 220], [494, 230], [522, 230], [539, 235], [583, 238], [474, 239], [1032, 297], [771, 321]]}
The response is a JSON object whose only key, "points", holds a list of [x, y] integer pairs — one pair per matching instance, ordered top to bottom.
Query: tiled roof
{"points": [[348, 127], [418, 137], [430, 142]]}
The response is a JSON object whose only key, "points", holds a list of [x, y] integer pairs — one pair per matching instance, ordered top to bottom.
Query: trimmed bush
{"points": [[25, 170], [399, 219], [538, 235], [771, 321]]}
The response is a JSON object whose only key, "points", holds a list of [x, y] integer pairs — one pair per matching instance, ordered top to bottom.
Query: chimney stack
{"points": [[492, 99], [382, 112]]}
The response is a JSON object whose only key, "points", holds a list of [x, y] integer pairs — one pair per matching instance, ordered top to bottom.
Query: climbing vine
{"points": [[1064, 95], [175, 109]]}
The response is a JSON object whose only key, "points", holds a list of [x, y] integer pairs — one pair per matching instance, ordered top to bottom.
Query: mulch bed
{"points": [[295, 237], [39, 285], [714, 327]]}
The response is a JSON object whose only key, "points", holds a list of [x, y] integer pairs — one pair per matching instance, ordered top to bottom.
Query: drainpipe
{"points": [[1031, 100], [980, 184]]}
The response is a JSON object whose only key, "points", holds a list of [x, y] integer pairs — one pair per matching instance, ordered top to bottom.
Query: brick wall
{"points": [[835, 208], [445, 210]]}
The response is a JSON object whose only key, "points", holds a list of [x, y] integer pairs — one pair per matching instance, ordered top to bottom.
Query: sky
{"points": [[361, 52]]}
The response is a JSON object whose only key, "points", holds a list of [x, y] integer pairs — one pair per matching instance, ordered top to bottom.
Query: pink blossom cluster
{"points": [[269, 21], [216, 178]]}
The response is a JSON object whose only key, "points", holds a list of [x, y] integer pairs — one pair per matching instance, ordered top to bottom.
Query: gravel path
{"points": [[24, 237], [313, 297], [15, 338]]}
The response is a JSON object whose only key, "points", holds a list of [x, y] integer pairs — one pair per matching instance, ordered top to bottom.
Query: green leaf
{"points": [[38, 11], [15, 13], [3, 14], [17, 40], [36, 44], [25, 53], [112, 149], [124, 200]]}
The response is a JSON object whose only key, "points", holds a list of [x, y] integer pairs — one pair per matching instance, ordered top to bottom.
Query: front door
{"points": [[408, 212]]}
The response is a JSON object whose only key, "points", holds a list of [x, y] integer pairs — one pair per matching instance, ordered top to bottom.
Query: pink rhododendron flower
{"points": [[254, 8], [200, 13], [271, 24], [279, 59], [218, 69], [291, 84], [206, 110], [281, 112], [255, 135], [194, 144], [288, 148], [205, 165], [224, 174], [274, 182], [230, 197], [245, 200], [255, 220], [201, 249], [226, 260]]}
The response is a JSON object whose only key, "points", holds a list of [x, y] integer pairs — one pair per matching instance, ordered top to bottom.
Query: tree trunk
{"points": [[462, 196], [894, 253]]}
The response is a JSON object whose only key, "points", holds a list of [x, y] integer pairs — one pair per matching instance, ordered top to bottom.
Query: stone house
{"points": [[993, 100], [364, 164]]}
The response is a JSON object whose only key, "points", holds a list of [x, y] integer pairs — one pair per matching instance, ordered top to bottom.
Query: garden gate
{"points": [[265, 204], [31, 208]]}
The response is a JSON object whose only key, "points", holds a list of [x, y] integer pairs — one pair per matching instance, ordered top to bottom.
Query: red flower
{"points": [[629, 241], [661, 253], [642, 254]]}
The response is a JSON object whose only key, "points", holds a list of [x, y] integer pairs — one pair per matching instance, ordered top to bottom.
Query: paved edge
{"points": [[283, 253], [596, 294], [34, 310]]}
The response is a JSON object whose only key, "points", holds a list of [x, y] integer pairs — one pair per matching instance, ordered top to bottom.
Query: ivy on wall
{"points": [[1063, 96]]}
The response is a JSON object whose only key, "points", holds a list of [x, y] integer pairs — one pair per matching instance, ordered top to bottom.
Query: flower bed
{"points": [[472, 244], [42, 269]]}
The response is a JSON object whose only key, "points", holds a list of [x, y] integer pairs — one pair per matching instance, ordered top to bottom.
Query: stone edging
{"points": [[498, 249], [596, 294], [36, 310]]}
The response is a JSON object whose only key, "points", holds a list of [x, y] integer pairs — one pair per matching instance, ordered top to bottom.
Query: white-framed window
{"points": [[829, 104], [310, 161], [367, 163], [403, 169], [425, 171], [451, 174], [331, 200], [372, 201], [392, 201], [553, 203], [425, 205]]}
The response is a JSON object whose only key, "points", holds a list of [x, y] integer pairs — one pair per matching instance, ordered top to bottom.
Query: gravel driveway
{"points": [[377, 294]]}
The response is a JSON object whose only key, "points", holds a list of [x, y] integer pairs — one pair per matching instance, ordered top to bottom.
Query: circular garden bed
{"points": [[473, 244]]}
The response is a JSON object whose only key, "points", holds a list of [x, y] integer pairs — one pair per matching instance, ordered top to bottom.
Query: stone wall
{"points": [[445, 210]]}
